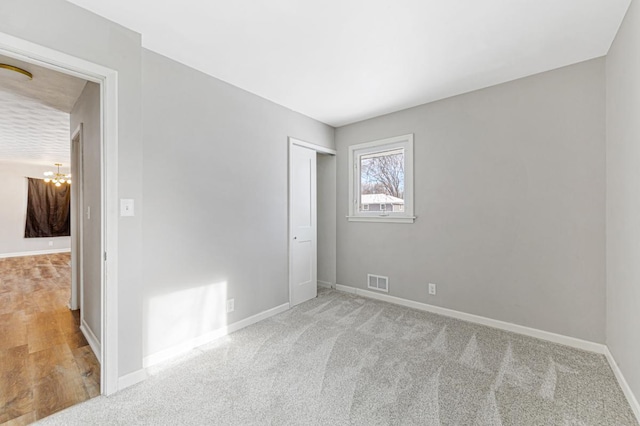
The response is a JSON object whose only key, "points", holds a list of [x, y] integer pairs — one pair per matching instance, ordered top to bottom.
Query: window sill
{"points": [[388, 219]]}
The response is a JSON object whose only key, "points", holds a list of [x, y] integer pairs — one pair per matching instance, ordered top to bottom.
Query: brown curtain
{"points": [[48, 208]]}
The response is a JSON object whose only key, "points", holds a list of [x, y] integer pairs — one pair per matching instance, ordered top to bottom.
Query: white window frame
{"points": [[404, 142]]}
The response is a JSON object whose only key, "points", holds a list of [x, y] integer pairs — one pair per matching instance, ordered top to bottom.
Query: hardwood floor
{"points": [[46, 364]]}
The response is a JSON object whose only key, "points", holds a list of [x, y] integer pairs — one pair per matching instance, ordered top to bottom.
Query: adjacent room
{"points": [[359, 212], [49, 346]]}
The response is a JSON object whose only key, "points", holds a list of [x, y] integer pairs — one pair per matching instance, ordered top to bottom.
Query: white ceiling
{"points": [[341, 61], [52, 88], [34, 114], [31, 132]]}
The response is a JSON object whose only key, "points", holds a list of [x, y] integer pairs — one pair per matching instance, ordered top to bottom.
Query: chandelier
{"points": [[57, 178]]}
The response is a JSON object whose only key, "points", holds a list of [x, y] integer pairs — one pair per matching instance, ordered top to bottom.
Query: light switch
{"points": [[126, 207]]}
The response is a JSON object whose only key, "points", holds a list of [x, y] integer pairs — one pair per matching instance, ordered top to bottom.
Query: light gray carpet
{"points": [[341, 359]]}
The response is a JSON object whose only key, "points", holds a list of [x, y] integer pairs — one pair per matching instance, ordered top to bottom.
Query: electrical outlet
{"points": [[50, 243], [432, 289], [230, 305]]}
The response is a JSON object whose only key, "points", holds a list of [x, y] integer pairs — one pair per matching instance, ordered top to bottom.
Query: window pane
{"points": [[382, 181]]}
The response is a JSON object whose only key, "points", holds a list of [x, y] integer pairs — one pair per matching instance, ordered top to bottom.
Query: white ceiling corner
{"points": [[343, 61]]}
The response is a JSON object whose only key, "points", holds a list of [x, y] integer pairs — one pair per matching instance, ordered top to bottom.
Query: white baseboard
{"points": [[35, 252], [325, 284], [346, 288], [502, 325], [94, 343], [186, 346], [132, 378], [631, 398]]}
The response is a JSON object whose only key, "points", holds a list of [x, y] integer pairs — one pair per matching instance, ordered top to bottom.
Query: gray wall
{"points": [[67, 28], [87, 111], [326, 171], [215, 180], [623, 198], [510, 199], [13, 210]]}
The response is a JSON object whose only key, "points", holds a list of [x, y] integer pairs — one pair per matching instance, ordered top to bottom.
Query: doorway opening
{"points": [[102, 315], [54, 352]]}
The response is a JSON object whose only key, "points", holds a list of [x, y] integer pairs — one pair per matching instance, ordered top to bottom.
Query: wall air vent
{"points": [[378, 282]]}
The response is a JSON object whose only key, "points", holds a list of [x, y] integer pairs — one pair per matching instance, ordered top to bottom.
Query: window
{"points": [[381, 181]]}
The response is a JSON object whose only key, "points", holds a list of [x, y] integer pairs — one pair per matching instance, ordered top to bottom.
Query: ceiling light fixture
{"points": [[18, 70], [57, 178]]}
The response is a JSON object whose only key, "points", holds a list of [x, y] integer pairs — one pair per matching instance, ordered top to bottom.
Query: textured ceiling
{"points": [[342, 61], [52, 88], [34, 114], [31, 132]]}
